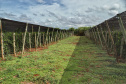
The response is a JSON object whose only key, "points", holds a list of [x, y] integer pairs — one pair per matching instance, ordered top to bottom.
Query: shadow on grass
{"points": [[76, 64], [78, 68]]}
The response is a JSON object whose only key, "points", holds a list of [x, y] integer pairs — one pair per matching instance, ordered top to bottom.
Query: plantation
{"points": [[111, 35], [18, 37], [34, 54], [64, 62]]}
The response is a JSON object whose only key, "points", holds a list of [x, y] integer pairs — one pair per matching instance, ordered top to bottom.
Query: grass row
{"points": [[75, 60], [45, 66]]}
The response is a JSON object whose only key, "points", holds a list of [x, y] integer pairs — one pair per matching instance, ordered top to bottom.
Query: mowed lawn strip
{"points": [[89, 64], [42, 67]]}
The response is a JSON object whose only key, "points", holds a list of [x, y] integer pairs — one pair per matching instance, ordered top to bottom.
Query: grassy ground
{"points": [[75, 60]]}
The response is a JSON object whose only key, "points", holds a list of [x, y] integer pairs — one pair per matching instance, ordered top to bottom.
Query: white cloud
{"points": [[25, 0], [40, 1], [115, 7], [113, 12], [68, 13], [76, 13], [25, 18]]}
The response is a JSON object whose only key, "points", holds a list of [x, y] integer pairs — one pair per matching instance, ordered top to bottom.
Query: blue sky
{"points": [[61, 13]]}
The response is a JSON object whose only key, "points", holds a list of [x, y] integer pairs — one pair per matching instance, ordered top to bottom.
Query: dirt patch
{"points": [[25, 55], [68, 55], [111, 55], [73, 56], [98, 66], [19, 69], [87, 70], [36, 74], [27, 83]]}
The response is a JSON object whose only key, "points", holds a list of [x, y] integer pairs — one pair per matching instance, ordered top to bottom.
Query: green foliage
{"points": [[57, 28], [64, 29], [71, 29], [79, 31], [117, 36], [8, 42]]}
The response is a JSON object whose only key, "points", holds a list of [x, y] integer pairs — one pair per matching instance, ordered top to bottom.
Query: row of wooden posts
{"points": [[48, 37], [105, 38]]}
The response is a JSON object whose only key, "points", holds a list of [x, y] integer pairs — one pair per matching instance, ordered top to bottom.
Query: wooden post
{"points": [[122, 28], [32, 29], [109, 31], [65, 34], [53, 35], [60, 35], [106, 35], [38, 36], [57, 36], [95, 36], [47, 37], [99, 37], [24, 38], [40, 39], [104, 39], [108, 39], [43, 40], [30, 41], [35, 43], [14, 44], [111, 45], [121, 47], [2, 50]]}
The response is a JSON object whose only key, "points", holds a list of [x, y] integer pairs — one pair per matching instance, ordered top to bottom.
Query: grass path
{"points": [[75, 60], [90, 64]]}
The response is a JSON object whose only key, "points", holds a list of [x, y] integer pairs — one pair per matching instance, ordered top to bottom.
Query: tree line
{"points": [[79, 31]]}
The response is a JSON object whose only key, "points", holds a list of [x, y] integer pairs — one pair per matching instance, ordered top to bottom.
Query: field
{"points": [[74, 60]]}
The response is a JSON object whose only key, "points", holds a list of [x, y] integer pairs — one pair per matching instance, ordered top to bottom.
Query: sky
{"points": [[62, 14]]}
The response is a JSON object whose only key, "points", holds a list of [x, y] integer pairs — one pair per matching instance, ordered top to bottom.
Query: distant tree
{"points": [[57, 28], [64, 29], [71, 29], [80, 31]]}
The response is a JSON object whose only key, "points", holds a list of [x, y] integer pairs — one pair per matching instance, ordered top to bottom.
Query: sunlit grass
{"points": [[40, 67]]}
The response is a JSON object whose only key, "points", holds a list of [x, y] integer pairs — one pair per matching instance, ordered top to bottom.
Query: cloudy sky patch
{"points": [[61, 13]]}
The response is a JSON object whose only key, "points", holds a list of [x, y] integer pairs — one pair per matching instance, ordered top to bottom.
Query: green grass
{"points": [[75, 60], [91, 65]]}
